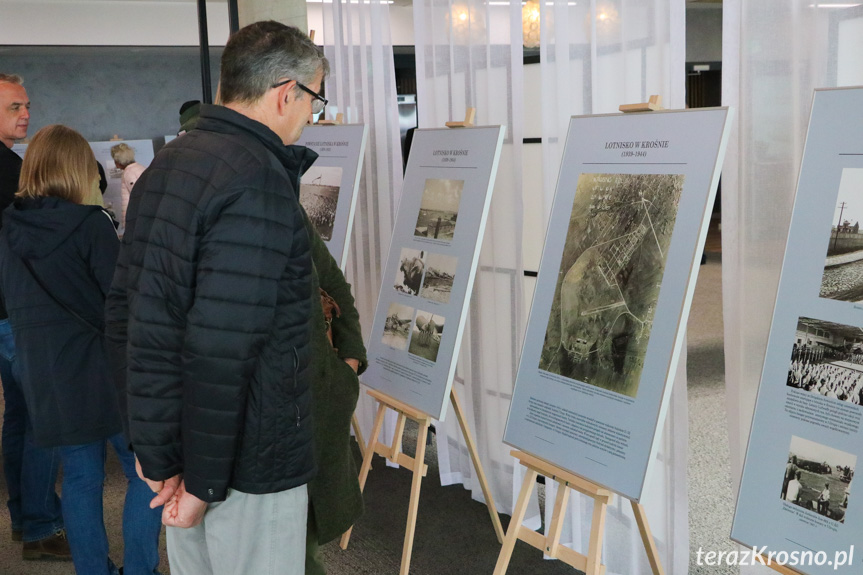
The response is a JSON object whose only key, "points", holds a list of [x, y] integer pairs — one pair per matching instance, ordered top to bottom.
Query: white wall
{"points": [[109, 23], [401, 23], [850, 72]]}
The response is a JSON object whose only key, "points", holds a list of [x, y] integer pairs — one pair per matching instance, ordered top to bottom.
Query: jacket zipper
{"points": [[296, 372]]}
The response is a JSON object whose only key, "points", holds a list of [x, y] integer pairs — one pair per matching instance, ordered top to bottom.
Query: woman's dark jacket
{"points": [[214, 279], [64, 373], [334, 494]]}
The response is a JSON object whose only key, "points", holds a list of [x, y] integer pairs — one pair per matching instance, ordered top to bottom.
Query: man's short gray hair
{"points": [[262, 54], [11, 79], [123, 154]]}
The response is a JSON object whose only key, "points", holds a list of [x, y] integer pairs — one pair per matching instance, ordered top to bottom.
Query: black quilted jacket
{"points": [[214, 276]]}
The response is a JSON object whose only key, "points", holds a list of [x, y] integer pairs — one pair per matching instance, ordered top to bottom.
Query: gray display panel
{"points": [[328, 190], [627, 227], [431, 265], [795, 502]]}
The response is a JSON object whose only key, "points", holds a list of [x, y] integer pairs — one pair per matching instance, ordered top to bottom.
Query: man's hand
{"points": [[354, 363], [169, 488], [164, 489], [184, 509]]}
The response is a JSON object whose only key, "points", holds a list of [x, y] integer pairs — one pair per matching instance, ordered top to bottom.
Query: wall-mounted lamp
{"points": [[466, 19], [607, 22], [530, 23]]}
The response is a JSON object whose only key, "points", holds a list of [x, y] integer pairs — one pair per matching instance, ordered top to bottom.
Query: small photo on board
{"points": [[319, 195], [439, 209], [843, 268], [410, 273], [610, 274], [439, 276], [397, 326], [427, 333], [827, 359], [818, 478]]}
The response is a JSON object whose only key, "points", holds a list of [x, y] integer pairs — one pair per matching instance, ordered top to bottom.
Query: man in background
{"points": [[31, 472]]}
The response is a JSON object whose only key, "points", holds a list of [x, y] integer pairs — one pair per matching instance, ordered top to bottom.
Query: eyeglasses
{"points": [[317, 104]]}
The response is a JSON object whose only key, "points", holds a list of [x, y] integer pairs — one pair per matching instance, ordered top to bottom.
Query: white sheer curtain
{"points": [[357, 42], [775, 52], [469, 54], [595, 56]]}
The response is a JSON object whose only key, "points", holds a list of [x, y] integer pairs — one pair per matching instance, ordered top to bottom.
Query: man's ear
{"points": [[285, 95]]}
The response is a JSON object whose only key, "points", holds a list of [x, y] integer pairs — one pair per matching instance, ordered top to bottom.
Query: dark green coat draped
{"points": [[334, 494]]}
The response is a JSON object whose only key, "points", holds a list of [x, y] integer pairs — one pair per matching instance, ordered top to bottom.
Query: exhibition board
{"points": [[328, 190], [625, 236], [431, 265], [795, 502]]}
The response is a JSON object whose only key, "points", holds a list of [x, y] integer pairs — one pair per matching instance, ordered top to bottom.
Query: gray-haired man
{"points": [[215, 280], [30, 471]]}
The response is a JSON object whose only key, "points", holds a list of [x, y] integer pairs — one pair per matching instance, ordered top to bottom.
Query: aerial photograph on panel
{"points": [[609, 278]]}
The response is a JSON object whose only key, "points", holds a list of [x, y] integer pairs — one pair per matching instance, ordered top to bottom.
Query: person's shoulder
{"points": [[240, 152], [9, 159]]}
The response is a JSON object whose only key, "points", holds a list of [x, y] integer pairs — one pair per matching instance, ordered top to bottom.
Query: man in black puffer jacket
{"points": [[214, 278]]}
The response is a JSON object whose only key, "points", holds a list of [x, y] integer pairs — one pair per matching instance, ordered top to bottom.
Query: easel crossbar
{"points": [[397, 405], [399, 458], [561, 475], [563, 553]]}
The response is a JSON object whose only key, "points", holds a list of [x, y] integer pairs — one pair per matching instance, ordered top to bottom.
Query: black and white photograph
{"points": [[319, 195], [439, 209], [843, 267], [410, 273], [610, 274], [439, 277], [397, 326], [426, 336], [827, 359], [818, 478]]}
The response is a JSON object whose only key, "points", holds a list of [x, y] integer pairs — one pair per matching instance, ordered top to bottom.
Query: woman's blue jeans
{"points": [[31, 471], [83, 478]]}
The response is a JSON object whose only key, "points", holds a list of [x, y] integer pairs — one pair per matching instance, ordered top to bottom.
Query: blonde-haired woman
{"points": [[124, 159], [57, 257]]}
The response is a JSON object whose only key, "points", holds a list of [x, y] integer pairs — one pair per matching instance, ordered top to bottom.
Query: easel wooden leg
{"points": [[358, 433], [396, 446], [367, 463], [477, 465], [413, 506], [515, 523], [556, 524], [597, 531], [647, 538]]}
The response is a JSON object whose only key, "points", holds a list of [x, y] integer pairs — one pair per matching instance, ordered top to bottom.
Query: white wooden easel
{"points": [[394, 453], [549, 544], [590, 564]]}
